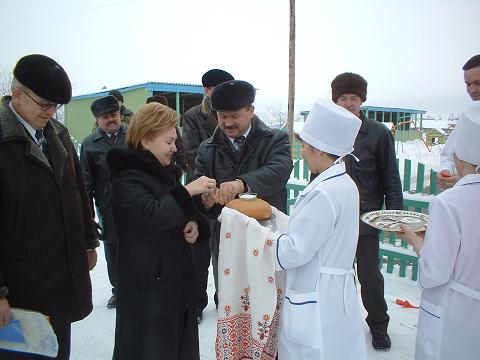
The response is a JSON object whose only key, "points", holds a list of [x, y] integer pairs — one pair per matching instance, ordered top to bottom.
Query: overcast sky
{"points": [[410, 51]]}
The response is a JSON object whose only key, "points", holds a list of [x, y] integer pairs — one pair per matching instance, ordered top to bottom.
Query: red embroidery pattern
{"points": [[228, 235], [269, 242], [255, 252], [226, 272], [270, 280], [245, 299], [279, 299], [227, 309], [263, 327], [234, 335], [235, 342]]}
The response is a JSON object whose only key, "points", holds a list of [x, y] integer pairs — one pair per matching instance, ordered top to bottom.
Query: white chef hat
{"points": [[330, 128], [467, 135]]}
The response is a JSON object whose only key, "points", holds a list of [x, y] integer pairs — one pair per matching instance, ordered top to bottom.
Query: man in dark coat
{"points": [[125, 113], [199, 123], [110, 132], [243, 154], [378, 182], [47, 237]]}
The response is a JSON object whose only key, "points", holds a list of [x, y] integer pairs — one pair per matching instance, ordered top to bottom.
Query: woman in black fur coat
{"points": [[157, 221]]}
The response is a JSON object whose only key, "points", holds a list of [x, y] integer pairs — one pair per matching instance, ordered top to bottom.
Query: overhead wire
{"points": [[64, 14]]}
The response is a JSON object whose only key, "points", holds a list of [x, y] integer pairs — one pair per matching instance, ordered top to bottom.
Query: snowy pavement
{"points": [[93, 337]]}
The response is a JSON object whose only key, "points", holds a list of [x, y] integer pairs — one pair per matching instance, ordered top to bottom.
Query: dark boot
{"points": [[112, 302], [199, 315], [380, 339]]}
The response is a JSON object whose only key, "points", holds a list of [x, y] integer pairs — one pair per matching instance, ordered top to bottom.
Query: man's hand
{"points": [[446, 180], [228, 191], [209, 198], [191, 232], [92, 259], [5, 312]]}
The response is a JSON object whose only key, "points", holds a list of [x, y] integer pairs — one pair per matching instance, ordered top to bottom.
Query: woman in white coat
{"points": [[320, 317], [449, 317]]}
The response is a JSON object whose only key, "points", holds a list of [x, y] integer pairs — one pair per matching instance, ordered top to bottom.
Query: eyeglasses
{"points": [[44, 107]]}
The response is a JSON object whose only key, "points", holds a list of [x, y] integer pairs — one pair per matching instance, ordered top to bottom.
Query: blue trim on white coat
{"points": [[278, 245], [302, 303], [428, 312]]}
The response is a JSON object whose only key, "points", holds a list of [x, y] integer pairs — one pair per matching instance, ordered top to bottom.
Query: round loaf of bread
{"points": [[256, 208]]}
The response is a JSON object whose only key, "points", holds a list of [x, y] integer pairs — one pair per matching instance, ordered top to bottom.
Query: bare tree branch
{"points": [[5, 82]]}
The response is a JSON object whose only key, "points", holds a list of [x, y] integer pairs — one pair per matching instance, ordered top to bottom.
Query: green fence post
{"points": [[296, 170], [407, 172], [420, 178], [433, 182], [390, 263], [403, 268], [414, 270]]}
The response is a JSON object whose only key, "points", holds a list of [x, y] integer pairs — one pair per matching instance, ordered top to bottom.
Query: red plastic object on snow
{"points": [[405, 304]]}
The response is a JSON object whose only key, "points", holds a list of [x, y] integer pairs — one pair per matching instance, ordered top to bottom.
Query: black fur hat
{"points": [[45, 77], [215, 77], [349, 83], [118, 95], [232, 95], [157, 98], [104, 105]]}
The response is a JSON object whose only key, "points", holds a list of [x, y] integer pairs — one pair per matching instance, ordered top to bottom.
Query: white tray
{"points": [[390, 220]]}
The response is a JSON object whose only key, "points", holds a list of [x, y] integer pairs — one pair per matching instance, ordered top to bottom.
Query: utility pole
{"points": [[291, 71]]}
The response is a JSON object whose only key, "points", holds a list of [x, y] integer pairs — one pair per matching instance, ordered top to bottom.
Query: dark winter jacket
{"points": [[125, 114], [198, 123], [179, 156], [264, 164], [376, 174], [97, 176], [45, 222], [155, 275]]}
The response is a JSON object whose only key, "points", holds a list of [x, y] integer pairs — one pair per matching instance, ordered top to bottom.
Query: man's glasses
{"points": [[44, 107]]}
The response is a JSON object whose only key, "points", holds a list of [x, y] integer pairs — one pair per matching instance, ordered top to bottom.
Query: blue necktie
{"points": [[41, 141], [239, 141]]}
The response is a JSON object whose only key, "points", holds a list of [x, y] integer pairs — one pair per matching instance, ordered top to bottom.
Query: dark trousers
{"points": [[110, 250], [201, 262], [371, 281], [63, 333]]}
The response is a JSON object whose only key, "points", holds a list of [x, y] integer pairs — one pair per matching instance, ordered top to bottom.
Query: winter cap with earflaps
{"points": [[331, 128], [467, 135]]}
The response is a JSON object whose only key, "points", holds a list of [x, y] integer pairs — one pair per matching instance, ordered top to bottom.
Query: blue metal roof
{"points": [[150, 86], [381, 109], [392, 110]]}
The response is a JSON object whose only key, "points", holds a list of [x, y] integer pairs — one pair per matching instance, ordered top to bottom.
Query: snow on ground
{"points": [[417, 152], [93, 337]]}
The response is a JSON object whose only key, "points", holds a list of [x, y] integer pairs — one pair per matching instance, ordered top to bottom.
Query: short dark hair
{"points": [[472, 63]]}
